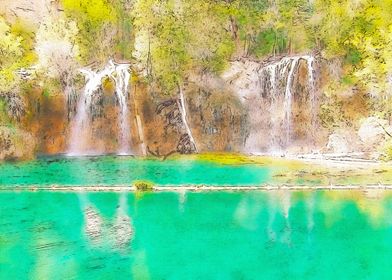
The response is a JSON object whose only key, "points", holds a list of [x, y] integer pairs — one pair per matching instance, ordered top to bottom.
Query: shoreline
{"points": [[194, 188]]}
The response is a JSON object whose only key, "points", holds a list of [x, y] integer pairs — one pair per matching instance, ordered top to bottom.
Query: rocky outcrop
{"points": [[16, 144]]}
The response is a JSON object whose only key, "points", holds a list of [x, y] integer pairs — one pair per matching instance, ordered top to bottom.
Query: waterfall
{"points": [[121, 79], [312, 87], [268, 89], [288, 100], [182, 107], [81, 126], [122, 231]]}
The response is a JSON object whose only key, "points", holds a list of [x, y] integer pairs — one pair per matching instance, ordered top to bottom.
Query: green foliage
{"points": [[93, 12], [96, 21], [360, 31], [174, 39], [268, 41], [14, 56], [353, 56], [10, 60], [386, 150], [143, 185]]}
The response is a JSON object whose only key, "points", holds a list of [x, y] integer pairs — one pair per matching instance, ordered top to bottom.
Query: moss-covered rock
{"points": [[143, 186]]}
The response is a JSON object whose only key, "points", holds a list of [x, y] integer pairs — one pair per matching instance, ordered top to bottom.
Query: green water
{"points": [[110, 170], [211, 235]]}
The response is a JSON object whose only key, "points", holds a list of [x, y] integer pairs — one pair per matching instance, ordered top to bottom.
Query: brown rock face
{"points": [[216, 118], [16, 144]]}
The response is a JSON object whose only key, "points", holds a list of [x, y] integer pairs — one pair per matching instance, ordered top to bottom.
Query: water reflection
{"points": [[181, 200], [272, 203], [285, 203], [248, 210], [310, 211], [93, 224], [121, 229], [116, 233], [92, 235]]}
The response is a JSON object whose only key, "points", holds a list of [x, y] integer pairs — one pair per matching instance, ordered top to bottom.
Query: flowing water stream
{"points": [[274, 84], [80, 135]]}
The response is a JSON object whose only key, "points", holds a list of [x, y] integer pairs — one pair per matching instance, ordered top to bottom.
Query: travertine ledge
{"points": [[192, 188]]}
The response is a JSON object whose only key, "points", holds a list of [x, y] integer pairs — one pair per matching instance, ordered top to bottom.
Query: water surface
{"points": [[114, 170], [214, 235]]}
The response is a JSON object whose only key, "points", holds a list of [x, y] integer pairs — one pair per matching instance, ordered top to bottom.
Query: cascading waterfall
{"points": [[283, 72], [121, 79], [275, 83], [312, 84], [288, 100], [182, 107], [80, 129]]}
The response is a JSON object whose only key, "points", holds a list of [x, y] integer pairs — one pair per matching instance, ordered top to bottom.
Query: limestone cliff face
{"points": [[241, 111], [215, 116], [217, 119], [16, 144]]}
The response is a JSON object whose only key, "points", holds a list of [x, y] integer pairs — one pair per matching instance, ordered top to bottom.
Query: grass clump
{"points": [[143, 186]]}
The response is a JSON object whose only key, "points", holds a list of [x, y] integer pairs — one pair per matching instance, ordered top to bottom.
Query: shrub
{"points": [[386, 151], [143, 185]]}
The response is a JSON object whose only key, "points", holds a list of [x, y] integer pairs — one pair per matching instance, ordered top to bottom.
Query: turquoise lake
{"points": [[112, 170], [202, 235]]}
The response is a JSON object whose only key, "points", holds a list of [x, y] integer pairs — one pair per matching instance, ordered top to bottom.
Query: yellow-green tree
{"points": [[97, 23], [11, 60]]}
